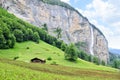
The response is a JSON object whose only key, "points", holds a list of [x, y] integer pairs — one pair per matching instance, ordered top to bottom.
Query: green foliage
{"points": [[13, 29], [30, 34], [42, 34], [19, 35], [36, 37], [49, 39], [2, 40], [7, 40], [12, 41], [59, 43], [54, 44], [63, 46], [71, 53], [83, 55], [15, 58], [49, 58], [90, 58], [96, 60], [114, 60], [103, 63], [116, 64]]}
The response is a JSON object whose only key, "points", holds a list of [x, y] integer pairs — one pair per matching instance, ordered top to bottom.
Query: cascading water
{"points": [[92, 41]]}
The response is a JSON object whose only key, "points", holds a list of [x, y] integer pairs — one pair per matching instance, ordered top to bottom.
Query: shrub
{"points": [[63, 46], [27, 48], [71, 53], [83, 55], [15, 58], [49, 58]]}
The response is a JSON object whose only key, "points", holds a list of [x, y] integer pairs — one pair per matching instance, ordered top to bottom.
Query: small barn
{"points": [[37, 60]]}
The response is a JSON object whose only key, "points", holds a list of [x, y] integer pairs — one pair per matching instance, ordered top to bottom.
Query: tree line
{"points": [[114, 60]]}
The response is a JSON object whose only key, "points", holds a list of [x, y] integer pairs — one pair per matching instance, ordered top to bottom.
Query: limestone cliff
{"points": [[75, 27]]}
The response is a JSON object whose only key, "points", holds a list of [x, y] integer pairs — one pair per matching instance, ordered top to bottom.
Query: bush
{"points": [[63, 46], [27, 48], [71, 53], [83, 55], [15, 58], [49, 58], [90, 58]]}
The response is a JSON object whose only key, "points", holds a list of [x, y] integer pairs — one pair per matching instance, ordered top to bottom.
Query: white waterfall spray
{"points": [[92, 40]]}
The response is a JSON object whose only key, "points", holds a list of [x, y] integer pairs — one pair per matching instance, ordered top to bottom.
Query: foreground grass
{"points": [[43, 51], [17, 70]]}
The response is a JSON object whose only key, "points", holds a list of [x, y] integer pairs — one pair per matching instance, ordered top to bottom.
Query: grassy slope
{"points": [[44, 51], [12, 70], [65, 70]]}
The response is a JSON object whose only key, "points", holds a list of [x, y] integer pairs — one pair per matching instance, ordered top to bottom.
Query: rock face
{"points": [[75, 27]]}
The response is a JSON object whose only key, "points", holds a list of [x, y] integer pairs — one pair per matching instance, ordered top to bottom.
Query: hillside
{"points": [[43, 51], [64, 70], [29, 71]]}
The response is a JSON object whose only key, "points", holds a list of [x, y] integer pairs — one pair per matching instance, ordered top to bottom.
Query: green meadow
{"points": [[44, 51], [55, 69]]}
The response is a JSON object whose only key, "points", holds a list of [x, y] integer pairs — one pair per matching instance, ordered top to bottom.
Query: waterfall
{"points": [[92, 41]]}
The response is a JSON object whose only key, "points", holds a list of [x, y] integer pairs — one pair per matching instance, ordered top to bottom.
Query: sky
{"points": [[104, 14]]}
